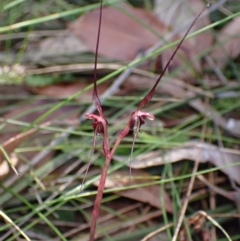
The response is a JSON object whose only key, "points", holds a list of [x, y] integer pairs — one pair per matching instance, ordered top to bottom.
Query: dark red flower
{"points": [[138, 118], [98, 124]]}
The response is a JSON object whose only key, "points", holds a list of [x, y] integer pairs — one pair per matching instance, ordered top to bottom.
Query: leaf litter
{"points": [[133, 40], [117, 41], [227, 43], [177, 88], [14, 139], [194, 151], [149, 194]]}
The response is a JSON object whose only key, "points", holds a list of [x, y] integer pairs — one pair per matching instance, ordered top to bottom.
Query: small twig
{"points": [[217, 71], [188, 194], [185, 204], [209, 218], [14, 225], [152, 234]]}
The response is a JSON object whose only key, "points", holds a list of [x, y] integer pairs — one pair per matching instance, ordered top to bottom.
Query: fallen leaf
{"points": [[178, 13], [137, 31], [122, 36], [228, 42], [64, 43], [84, 68], [31, 116], [12, 139], [15, 141], [9, 146], [194, 151], [5, 167], [149, 194], [237, 200]]}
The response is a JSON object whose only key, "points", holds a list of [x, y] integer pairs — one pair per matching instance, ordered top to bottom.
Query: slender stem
{"points": [[149, 96], [95, 97], [122, 134], [116, 144], [106, 148], [91, 157], [101, 185], [98, 199]]}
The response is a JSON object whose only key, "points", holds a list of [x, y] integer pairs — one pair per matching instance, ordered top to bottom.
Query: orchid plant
{"points": [[136, 120]]}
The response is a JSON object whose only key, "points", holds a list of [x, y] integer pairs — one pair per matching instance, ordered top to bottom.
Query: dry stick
{"points": [[217, 70], [220, 143], [90, 160], [190, 187], [222, 192], [185, 204], [209, 218], [14, 225], [157, 231]]}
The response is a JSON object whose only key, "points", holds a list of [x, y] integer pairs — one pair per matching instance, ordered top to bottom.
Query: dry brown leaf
{"points": [[177, 13], [122, 37], [123, 40], [65, 43], [228, 43], [174, 87], [32, 112], [31, 116], [12, 139], [15, 141], [9, 146], [194, 151], [4, 166], [149, 194], [237, 200]]}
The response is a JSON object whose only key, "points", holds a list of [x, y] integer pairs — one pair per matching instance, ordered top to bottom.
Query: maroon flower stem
{"points": [[149, 96], [95, 97], [100, 125], [102, 181], [98, 199]]}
